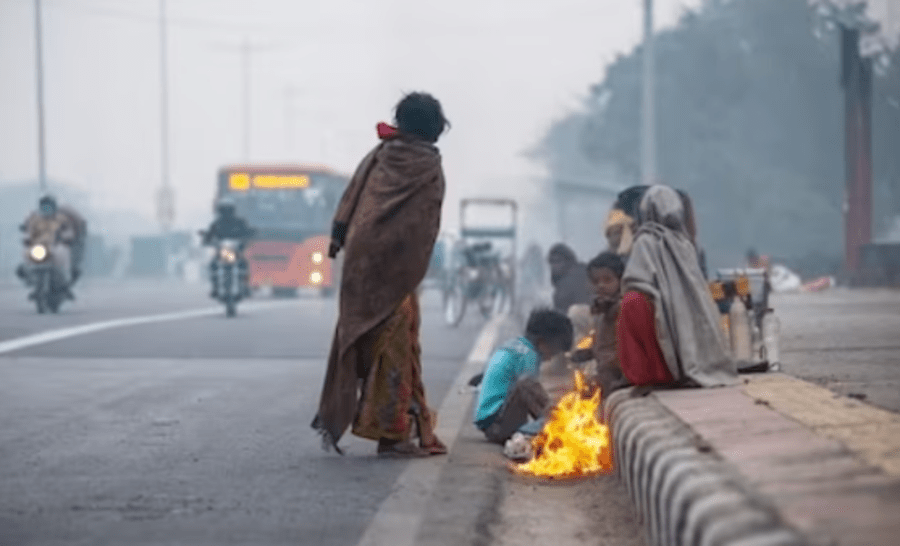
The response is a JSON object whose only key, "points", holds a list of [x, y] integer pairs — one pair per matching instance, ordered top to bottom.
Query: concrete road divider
{"points": [[684, 493]]}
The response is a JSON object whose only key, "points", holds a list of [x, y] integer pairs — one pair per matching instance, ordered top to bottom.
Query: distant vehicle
{"points": [[290, 207], [480, 271], [42, 273], [229, 274]]}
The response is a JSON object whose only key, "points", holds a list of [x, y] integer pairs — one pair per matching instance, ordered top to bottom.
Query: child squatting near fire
{"points": [[511, 393]]}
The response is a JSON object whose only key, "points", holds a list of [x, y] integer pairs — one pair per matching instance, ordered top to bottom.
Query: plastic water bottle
{"points": [[771, 332], [741, 346]]}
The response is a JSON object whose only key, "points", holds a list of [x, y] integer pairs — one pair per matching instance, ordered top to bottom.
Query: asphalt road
{"points": [[844, 340], [195, 429], [188, 431]]}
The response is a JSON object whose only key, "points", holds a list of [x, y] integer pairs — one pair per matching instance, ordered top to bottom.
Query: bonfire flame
{"points": [[573, 443]]}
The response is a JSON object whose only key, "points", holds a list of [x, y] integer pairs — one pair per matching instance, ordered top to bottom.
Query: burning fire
{"points": [[573, 443]]}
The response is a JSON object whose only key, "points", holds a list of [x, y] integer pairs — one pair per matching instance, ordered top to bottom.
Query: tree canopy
{"points": [[750, 121]]}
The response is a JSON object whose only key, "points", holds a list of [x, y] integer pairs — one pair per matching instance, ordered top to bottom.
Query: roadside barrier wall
{"points": [[684, 494]]}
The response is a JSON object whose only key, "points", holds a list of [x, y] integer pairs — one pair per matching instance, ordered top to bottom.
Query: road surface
{"points": [[185, 430]]}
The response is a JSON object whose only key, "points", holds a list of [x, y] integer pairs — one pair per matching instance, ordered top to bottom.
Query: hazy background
{"points": [[503, 70], [508, 72]]}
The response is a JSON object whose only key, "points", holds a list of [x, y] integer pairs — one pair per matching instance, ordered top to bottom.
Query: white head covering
{"points": [[664, 266]]}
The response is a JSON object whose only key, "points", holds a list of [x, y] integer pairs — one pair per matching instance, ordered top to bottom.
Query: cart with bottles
{"points": [[750, 324]]}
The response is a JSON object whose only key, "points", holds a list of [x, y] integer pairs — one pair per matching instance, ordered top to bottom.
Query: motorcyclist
{"points": [[228, 225], [55, 230], [78, 244]]}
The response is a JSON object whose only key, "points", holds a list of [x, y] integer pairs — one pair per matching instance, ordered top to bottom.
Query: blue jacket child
{"points": [[510, 390]]}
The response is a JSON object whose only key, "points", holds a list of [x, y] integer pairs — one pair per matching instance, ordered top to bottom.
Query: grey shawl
{"points": [[663, 265]]}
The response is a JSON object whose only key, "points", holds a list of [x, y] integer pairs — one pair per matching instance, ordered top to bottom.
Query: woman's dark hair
{"points": [[420, 115], [629, 200], [563, 251], [609, 260], [551, 326]]}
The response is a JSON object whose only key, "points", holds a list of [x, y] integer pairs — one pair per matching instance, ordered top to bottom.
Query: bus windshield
{"points": [[293, 209], [302, 209]]}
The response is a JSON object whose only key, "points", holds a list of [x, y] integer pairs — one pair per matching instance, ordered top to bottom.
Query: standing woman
{"points": [[387, 223], [668, 330]]}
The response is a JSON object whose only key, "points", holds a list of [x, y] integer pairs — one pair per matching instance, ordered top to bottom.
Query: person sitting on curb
{"points": [[605, 272], [570, 287], [668, 330], [510, 389]]}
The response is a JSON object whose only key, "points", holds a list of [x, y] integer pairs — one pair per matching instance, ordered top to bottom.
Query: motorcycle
{"points": [[41, 272], [229, 274]]}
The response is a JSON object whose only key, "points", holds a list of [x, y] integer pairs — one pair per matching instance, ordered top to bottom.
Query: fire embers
{"points": [[573, 442]]}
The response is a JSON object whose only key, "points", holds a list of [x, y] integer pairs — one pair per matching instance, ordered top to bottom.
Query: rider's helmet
{"points": [[47, 205], [225, 206]]}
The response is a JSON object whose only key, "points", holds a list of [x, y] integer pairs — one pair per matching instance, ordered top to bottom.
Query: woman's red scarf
{"points": [[387, 132]]}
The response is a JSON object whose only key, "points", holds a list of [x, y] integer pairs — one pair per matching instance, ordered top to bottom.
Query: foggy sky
{"points": [[504, 70]]}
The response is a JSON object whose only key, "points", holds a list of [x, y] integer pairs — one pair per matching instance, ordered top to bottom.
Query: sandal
{"points": [[435, 448], [400, 450]]}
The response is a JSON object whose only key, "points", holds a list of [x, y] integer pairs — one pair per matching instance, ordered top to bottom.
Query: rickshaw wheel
{"points": [[454, 303]]}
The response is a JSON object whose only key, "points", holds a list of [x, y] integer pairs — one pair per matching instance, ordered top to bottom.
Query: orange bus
{"points": [[291, 208]]}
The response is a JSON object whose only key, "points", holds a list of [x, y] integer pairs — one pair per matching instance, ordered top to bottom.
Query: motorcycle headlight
{"points": [[38, 253], [227, 255], [317, 258], [316, 277]]}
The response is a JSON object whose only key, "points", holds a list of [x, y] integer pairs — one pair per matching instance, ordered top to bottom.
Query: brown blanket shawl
{"points": [[393, 209]]}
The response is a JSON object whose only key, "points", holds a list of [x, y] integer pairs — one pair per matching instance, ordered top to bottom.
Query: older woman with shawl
{"points": [[387, 223], [668, 330]]}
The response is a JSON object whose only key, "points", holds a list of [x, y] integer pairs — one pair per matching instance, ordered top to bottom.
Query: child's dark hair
{"points": [[421, 115], [609, 260], [551, 326]]}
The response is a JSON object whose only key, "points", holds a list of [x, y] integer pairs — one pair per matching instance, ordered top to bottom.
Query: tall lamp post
{"points": [[246, 50], [39, 69], [290, 92], [648, 115], [165, 198]]}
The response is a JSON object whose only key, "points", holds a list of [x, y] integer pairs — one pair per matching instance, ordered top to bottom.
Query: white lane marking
{"points": [[84, 329], [400, 515]]}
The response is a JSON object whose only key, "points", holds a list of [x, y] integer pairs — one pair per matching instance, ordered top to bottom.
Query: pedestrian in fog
{"points": [[386, 223], [567, 274], [668, 330]]}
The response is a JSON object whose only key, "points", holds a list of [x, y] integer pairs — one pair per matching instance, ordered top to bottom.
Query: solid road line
{"points": [[49, 336], [400, 515]]}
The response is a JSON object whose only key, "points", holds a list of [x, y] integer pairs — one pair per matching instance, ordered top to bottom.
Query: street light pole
{"points": [[246, 49], [39, 57], [245, 65], [857, 83], [290, 92], [163, 97], [648, 121], [166, 196], [165, 204]]}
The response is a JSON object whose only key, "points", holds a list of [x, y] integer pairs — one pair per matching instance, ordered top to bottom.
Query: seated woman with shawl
{"points": [[387, 223], [668, 330]]}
